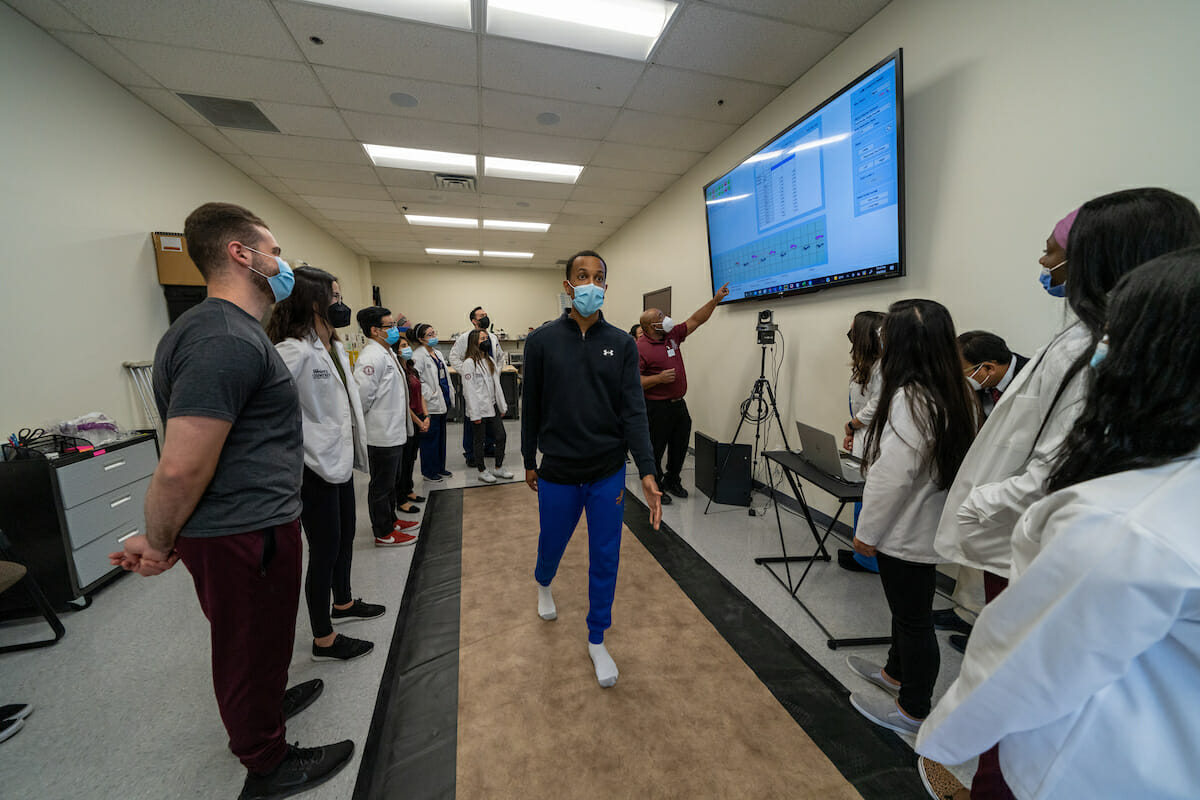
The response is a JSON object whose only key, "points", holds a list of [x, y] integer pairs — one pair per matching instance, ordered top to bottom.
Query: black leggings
{"points": [[489, 425], [404, 478], [328, 519], [913, 658]]}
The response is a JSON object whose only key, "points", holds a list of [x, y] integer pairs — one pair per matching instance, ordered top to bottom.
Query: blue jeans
{"points": [[433, 447], [559, 508]]}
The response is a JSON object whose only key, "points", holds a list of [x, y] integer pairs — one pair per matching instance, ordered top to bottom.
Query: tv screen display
{"points": [[821, 204]]}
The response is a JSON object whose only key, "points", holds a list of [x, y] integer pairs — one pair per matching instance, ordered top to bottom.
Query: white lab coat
{"points": [[459, 351], [383, 387], [481, 389], [431, 390], [863, 402], [331, 414], [999, 478], [901, 503], [1086, 668]]}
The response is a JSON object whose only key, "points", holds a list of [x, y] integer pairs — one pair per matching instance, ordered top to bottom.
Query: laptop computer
{"points": [[820, 449]]}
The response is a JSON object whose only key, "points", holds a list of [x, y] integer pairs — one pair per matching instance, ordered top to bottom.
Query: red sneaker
{"points": [[405, 525], [395, 539]]}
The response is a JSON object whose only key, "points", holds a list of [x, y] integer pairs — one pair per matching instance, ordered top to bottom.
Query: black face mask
{"points": [[339, 315], [484, 323], [486, 347]]}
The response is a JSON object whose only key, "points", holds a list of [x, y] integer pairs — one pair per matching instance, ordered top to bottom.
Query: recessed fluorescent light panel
{"points": [[452, 13], [623, 28], [409, 158], [530, 170], [441, 222], [512, 225], [441, 251], [506, 254]]}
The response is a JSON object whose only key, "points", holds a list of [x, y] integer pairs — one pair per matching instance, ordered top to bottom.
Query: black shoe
{"points": [[445, 473], [676, 488], [416, 499], [665, 499], [410, 510], [847, 561], [357, 610], [947, 620], [958, 642], [343, 649], [301, 696], [15, 711], [9, 728], [301, 769]]}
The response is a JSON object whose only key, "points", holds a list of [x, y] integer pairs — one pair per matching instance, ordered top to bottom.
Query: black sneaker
{"points": [[445, 473], [676, 488], [665, 499], [847, 561], [357, 610], [946, 620], [343, 648], [301, 696], [15, 711], [9, 728], [301, 769]]}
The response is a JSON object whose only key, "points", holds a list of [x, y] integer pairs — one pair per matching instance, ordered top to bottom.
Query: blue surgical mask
{"points": [[281, 284], [1053, 291], [588, 299], [392, 335], [432, 341], [406, 353], [1100, 353]]}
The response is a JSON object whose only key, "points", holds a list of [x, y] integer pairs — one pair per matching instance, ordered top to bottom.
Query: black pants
{"points": [[492, 427], [670, 429], [469, 438], [404, 478], [381, 491], [328, 520], [913, 658]]}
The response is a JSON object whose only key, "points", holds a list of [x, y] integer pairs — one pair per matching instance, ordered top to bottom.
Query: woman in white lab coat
{"points": [[302, 328], [866, 382], [439, 399], [483, 399], [921, 431], [1086, 669]]}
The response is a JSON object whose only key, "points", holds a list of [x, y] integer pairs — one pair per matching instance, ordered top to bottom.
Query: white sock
{"points": [[546, 609], [606, 668]]}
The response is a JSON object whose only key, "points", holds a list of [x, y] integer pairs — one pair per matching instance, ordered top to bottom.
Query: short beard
{"points": [[261, 283]]}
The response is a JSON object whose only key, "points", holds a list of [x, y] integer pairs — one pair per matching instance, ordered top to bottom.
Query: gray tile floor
{"points": [[124, 704]]}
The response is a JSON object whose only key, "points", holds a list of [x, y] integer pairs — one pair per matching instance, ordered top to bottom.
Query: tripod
{"points": [[762, 401]]}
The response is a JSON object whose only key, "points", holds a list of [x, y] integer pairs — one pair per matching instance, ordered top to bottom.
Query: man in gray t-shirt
{"points": [[225, 498]]}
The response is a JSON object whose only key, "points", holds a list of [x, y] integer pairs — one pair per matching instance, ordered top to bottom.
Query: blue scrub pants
{"points": [[559, 508]]}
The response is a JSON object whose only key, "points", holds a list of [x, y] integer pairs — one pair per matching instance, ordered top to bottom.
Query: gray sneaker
{"points": [[871, 672], [885, 713]]}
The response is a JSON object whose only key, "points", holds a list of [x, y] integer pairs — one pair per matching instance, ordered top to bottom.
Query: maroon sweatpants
{"points": [[249, 588], [989, 783]]}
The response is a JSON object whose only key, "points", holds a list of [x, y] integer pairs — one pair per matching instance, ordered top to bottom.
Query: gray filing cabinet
{"points": [[65, 515]]}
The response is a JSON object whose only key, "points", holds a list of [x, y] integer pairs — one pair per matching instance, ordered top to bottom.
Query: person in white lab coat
{"points": [[480, 321], [302, 328], [866, 381], [383, 388], [439, 399], [484, 400], [921, 431], [1086, 669]]}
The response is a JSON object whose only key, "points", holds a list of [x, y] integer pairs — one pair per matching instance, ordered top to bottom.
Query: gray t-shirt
{"points": [[216, 361]]}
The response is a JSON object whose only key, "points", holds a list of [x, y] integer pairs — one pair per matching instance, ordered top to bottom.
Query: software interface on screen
{"points": [[818, 204]]}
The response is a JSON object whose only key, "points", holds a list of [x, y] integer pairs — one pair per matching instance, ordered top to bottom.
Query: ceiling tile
{"points": [[49, 15], [845, 16], [236, 26], [723, 42], [377, 44], [104, 57], [551, 72], [225, 74], [365, 91], [682, 93], [170, 106], [519, 112], [321, 122], [658, 130], [419, 133], [215, 141], [306, 148], [556, 149], [654, 159], [246, 164], [318, 171], [406, 178], [626, 179], [275, 186], [513, 187], [360, 191], [600, 194], [427, 196], [326, 204], [517, 207], [464, 210], [600, 210], [365, 216]]}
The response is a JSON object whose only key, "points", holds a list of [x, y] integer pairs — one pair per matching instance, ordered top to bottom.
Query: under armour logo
{"points": [[608, 352]]}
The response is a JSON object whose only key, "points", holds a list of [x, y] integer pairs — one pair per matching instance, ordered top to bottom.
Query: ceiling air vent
{"points": [[226, 113], [454, 183], [468, 261]]}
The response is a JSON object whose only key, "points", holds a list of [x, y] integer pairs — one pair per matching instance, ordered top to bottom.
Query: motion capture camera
{"points": [[766, 327]]}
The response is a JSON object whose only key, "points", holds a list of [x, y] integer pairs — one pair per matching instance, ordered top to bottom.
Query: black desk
{"points": [[794, 467]]}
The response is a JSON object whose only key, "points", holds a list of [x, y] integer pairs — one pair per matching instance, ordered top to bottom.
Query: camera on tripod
{"points": [[766, 327]]}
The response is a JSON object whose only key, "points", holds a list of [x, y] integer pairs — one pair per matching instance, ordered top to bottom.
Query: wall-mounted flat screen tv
{"points": [[820, 205]]}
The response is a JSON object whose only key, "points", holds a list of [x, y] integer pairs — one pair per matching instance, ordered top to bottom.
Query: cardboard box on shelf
{"points": [[175, 268]]}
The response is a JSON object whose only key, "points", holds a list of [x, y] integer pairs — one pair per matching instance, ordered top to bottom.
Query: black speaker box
{"points": [[732, 487]]}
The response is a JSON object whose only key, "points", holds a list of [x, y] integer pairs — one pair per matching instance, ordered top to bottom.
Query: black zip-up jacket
{"points": [[582, 403]]}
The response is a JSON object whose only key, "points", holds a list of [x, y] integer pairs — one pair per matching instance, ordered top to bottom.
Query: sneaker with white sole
{"points": [[501, 472], [486, 477], [395, 539], [873, 673], [885, 713], [938, 781]]}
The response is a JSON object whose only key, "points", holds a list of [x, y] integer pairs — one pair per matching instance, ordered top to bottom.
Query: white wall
{"points": [[1016, 112], [89, 171], [515, 298]]}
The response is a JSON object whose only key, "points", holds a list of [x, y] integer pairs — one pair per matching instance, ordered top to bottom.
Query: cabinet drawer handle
{"points": [[113, 465], [120, 502], [129, 535]]}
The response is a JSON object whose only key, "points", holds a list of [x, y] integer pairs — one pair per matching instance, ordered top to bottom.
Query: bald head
{"points": [[651, 317]]}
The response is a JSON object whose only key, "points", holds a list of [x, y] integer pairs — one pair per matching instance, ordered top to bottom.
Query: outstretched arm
{"points": [[701, 314]]}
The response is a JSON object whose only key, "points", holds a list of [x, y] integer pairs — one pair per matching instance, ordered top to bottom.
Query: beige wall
{"points": [[1016, 112], [89, 171], [443, 295]]}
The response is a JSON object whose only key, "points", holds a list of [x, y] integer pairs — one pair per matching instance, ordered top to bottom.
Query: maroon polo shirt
{"points": [[656, 356]]}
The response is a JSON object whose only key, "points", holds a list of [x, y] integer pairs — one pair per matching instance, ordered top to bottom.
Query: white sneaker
{"points": [[501, 472], [486, 477]]}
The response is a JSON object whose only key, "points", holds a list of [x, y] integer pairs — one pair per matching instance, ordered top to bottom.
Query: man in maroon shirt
{"points": [[664, 382]]}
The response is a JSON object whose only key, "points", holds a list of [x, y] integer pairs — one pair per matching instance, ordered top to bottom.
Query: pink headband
{"points": [[1062, 229]]}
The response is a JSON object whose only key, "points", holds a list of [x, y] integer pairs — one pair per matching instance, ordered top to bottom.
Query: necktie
{"points": [[995, 395]]}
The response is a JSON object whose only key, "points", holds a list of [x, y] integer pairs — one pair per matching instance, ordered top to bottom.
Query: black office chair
{"points": [[13, 572]]}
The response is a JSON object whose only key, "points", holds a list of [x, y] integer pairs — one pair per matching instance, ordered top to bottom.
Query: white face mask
{"points": [[667, 324], [976, 385]]}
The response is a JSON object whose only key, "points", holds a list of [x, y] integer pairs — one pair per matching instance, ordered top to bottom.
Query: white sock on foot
{"points": [[546, 609], [606, 668]]}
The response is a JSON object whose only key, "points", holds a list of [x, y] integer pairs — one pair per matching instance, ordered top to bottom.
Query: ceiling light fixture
{"points": [[452, 13], [623, 28], [410, 158], [530, 170], [441, 222], [513, 225], [441, 251], [506, 254]]}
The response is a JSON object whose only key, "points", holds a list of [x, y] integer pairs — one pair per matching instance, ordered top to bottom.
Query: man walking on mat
{"points": [[664, 381], [582, 407]]}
